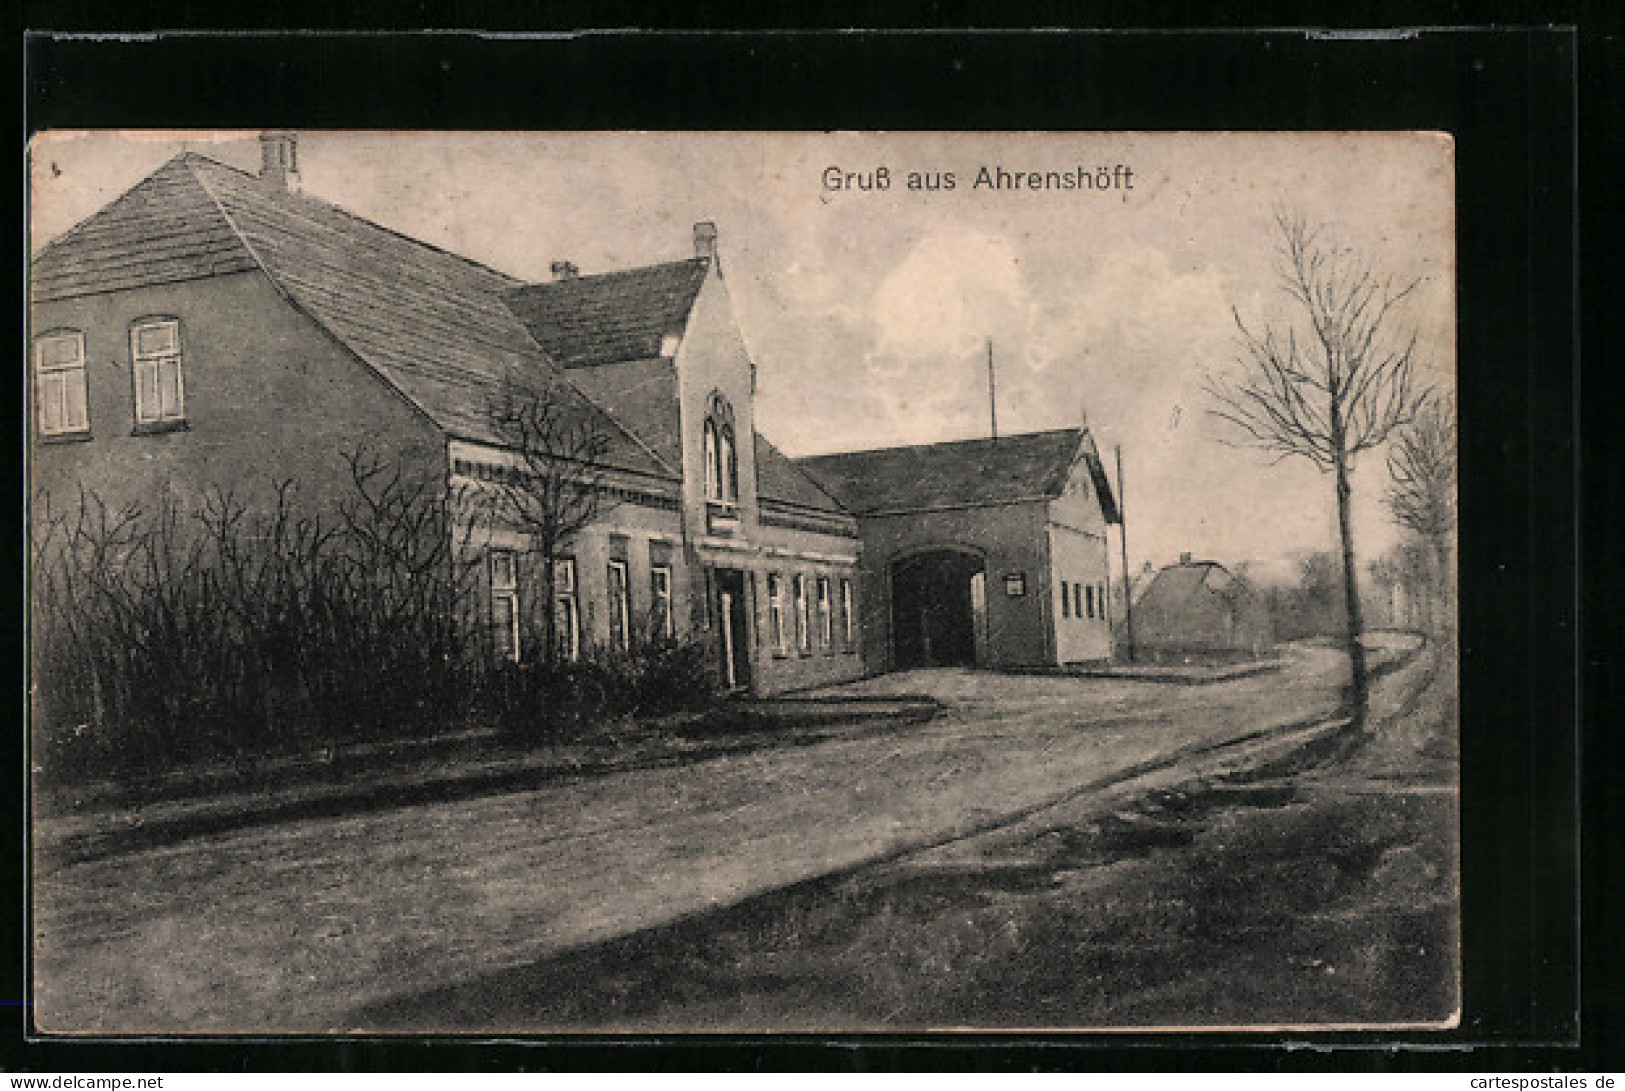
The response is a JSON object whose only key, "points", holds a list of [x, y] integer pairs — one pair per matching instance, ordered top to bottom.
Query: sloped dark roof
{"points": [[166, 229], [610, 317], [432, 324], [642, 397], [965, 473], [778, 477], [1176, 584]]}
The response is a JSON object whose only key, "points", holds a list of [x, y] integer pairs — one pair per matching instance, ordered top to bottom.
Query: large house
{"points": [[216, 328]]}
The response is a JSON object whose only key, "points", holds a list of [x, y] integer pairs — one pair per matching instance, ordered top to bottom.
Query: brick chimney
{"points": [[279, 157], [705, 239], [565, 270], [1184, 558]]}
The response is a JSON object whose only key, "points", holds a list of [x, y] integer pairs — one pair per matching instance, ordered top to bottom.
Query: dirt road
{"points": [[290, 928]]}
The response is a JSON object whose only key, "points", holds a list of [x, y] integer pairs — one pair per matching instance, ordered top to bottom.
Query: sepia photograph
{"points": [[661, 583]]}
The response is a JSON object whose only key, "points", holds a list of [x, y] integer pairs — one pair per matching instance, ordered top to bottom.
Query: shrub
{"points": [[161, 638], [659, 677], [545, 700]]}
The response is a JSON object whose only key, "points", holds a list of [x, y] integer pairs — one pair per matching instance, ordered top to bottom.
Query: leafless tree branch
{"points": [[1345, 385]]}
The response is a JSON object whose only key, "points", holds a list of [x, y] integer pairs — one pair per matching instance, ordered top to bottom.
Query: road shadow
{"points": [[327, 793]]}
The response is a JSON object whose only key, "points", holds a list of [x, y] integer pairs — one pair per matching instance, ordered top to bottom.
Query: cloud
{"points": [[951, 292]]}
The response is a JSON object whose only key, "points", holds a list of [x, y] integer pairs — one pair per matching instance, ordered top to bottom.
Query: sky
{"points": [[868, 310]]}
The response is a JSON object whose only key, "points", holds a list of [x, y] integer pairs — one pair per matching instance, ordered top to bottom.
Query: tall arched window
{"points": [[721, 453], [730, 468], [713, 471]]}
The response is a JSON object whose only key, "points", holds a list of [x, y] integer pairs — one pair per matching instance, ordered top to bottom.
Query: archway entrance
{"points": [[938, 609]]}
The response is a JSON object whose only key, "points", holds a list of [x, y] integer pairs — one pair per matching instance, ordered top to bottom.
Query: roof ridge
{"points": [[179, 157], [186, 158], [254, 179], [527, 285], [287, 294], [468, 379], [944, 443]]}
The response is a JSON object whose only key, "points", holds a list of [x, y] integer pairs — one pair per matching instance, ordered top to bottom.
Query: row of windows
{"points": [[61, 387], [1083, 600], [506, 605], [801, 612]]}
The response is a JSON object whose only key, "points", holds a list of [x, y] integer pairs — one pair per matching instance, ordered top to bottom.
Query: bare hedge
{"points": [[161, 637]]}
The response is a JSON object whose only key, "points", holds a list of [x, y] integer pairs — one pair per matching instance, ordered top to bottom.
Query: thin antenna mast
{"points": [[992, 394], [1122, 538]]}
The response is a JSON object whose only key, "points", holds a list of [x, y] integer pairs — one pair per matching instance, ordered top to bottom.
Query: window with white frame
{"points": [[59, 383], [160, 386], [504, 604], [620, 607], [566, 609], [775, 612], [826, 619], [803, 621], [661, 622], [848, 622]]}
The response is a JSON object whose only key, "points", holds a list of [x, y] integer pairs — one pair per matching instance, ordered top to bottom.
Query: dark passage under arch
{"points": [[937, 609]]}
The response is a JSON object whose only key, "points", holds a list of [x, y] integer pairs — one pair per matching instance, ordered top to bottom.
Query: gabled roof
{"points": [[167, 228], [608, 318], [431, 324], [641, 395], [965, 473], [1175, 585]]}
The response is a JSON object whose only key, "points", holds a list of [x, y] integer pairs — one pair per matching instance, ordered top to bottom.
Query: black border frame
{"points": [[1509, 98]]}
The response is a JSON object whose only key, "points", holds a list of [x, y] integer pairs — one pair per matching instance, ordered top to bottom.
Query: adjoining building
{"points": [[212, 329], [988, 552], [1201, 608]]}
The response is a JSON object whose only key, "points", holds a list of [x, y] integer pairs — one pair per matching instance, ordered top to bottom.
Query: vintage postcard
{"points": [[531, 583]]}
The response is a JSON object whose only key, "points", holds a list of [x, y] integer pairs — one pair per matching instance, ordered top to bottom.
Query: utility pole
{"points": [[992, 396], [1122, 538]]}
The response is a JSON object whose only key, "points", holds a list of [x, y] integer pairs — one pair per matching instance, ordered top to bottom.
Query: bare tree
{"points": [[1335, 381], [1422, 485], [555, 488]]}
